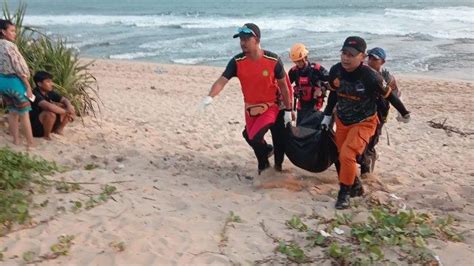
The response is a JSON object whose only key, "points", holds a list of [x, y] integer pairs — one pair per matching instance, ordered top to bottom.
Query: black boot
{"points": [[269, 150], [263, 162], [263, 166], [278, 167], [357, 189], [343, 197]]}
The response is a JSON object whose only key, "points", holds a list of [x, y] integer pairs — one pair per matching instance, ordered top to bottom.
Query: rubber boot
{"points": [[270, 150], [262, 154], [263, 166], [278, 167], [357, 189], [343, 197]]}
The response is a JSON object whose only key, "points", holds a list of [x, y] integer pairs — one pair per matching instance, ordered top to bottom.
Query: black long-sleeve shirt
{"points": [[356, 94]]}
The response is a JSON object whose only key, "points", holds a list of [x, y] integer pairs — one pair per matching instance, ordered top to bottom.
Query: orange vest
{"points": [[257, 79]]}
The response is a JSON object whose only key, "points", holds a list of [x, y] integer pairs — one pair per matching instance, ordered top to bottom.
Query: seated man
{"points": [[50, 111]]}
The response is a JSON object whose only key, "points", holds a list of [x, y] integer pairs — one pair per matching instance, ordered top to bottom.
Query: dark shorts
{"points": [[37, 127]]}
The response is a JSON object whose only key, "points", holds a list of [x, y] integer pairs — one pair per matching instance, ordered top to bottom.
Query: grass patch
{"points": [[91, 166], [18, 171]]}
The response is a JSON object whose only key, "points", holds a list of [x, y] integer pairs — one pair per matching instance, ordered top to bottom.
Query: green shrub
{"points": [[71, 75], [17, 172]]}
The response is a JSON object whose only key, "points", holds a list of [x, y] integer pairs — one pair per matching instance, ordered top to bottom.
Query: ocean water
{"points": [[419, 36]]}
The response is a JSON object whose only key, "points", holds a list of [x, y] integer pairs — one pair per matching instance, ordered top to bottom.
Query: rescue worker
{"points": [[376, 60], [262, 77], [310, 81], [355, 89]]}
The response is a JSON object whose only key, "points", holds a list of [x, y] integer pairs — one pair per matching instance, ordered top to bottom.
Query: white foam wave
{"points": [[435, 15], [449, 23], [134, 55], [189, 61]]}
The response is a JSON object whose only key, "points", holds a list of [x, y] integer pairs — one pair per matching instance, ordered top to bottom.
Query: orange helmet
{"points": [[298, 52]]}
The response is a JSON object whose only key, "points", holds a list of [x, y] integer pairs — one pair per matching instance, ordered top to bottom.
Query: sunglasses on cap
{"points": [[246, 30]]}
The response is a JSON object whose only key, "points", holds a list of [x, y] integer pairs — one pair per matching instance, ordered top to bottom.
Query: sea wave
{"points": [[445, 23], [134, 55]]}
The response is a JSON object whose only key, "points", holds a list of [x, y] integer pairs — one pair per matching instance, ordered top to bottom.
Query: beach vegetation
{"points": [[71, 75], [18, 171], [95, 200], [405, 233], [118, 246], [293, 252], [28, 256]]}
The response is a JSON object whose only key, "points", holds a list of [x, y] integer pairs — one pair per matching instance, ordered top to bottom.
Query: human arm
{"points": [[229, 72], [323, 74], [283, 83], [218, 86], [389, 92], [332, 99], [397, 103], [47, 106], [71, 111]]}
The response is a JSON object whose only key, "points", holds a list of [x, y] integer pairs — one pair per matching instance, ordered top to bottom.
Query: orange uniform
{"points": [[258, 80]]}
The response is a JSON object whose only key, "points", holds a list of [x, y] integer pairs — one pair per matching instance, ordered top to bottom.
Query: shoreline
{"points": [[442, 76]]}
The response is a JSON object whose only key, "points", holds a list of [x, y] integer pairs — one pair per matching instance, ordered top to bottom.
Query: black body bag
{"points": [[310, 148]]}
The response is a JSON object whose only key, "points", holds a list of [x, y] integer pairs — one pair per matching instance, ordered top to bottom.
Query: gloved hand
{"points": [[205, 103], [287, 117], [404, 119], [326, 121]]}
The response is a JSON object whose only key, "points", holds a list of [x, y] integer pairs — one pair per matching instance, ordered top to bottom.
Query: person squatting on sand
{"points": [[376, 60], [262, 76], [310, 82], [14, 83], [355, 88], [51, 111]]}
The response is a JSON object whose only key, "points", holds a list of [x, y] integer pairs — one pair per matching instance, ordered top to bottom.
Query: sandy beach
{"points": [[184, 171]]}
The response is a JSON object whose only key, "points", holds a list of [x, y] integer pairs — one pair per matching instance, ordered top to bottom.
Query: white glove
{"points": [[205, 103], [287, 117], [404, 119], [325, 123]]}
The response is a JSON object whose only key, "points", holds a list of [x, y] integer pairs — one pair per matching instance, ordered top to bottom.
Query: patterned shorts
{"points": [[13, 92]]}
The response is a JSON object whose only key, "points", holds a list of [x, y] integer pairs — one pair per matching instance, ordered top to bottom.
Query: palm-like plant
{"points": [[70, 74]]}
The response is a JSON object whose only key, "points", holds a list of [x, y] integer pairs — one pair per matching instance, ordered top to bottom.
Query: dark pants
{"points": [[262, 149], [368, 158]]}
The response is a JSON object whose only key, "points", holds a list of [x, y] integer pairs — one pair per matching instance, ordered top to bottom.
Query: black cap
{"points": [[254, 31], [354, 45]]}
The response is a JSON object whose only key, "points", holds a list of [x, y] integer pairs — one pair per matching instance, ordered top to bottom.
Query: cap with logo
{"points": [[354, 45]]}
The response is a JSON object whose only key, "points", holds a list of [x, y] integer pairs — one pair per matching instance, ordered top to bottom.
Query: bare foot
{"points": [[47, 138], [16, 142], [30, 146]]}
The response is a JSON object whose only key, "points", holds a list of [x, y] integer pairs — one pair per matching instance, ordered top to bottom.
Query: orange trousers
{"points": [[351, 141]]}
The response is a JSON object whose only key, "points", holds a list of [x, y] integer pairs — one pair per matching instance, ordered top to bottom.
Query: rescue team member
{"points": [[376, 60], [262, 77], [309, 79], [355, 88]]}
